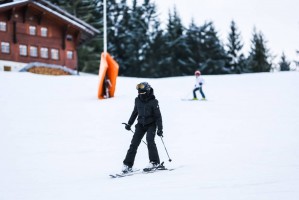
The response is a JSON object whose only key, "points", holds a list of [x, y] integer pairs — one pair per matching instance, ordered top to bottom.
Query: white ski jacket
{"points": [[199, 81]]}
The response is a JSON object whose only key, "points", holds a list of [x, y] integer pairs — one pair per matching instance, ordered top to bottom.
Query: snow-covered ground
{"points": [[59, 142]]}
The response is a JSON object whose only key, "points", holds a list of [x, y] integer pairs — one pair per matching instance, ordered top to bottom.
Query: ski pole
{"points": [[134, 133], [165, 149]]}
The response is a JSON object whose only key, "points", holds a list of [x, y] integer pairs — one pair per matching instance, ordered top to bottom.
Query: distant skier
{"points": [[199, 81], [106, 88], [147, 110]]}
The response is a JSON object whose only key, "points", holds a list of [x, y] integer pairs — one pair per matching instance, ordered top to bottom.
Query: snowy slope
{"points": [[59, 142]]}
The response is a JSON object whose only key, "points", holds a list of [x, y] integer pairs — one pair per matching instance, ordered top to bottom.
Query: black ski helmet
{"points": [[143, 87]]}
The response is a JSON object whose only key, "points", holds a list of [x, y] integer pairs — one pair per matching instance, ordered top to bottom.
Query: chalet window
{"points": [[2, 26], [32, 30], [44, 32], [69, 37], [5, 47], [23, 50], [33, 51], [44, 52], [54, 54], [69, 55]]}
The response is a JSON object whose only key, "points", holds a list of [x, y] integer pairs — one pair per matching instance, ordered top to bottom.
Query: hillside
{"points": [[59, 142]]}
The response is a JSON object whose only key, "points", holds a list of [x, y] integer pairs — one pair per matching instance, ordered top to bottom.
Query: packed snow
{"points": [[59, 142]]}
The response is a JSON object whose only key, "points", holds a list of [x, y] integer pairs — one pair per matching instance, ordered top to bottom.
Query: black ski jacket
{"points": [[147, 110]]}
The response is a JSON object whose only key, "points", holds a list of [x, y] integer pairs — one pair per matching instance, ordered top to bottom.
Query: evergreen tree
{"points": [[5, 1], [118, 19], [142, 19], [129, 35], [135, 38], [194, 40], [235, 46], [143, 49], [153, 50], [156, 52], [259, 54], [215, 58], [174, 63], [284, 64]]}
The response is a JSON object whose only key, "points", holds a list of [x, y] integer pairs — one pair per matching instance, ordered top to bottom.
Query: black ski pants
{"points": [[140, 131]]}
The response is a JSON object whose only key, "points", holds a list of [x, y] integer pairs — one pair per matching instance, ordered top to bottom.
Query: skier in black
{"points": [[149, 119]]}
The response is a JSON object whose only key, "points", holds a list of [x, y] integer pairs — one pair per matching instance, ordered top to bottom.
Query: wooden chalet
{"points": [[38, 31]]}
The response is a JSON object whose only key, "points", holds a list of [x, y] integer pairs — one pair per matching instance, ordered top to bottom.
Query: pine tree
{"points": [[5, 1], [118, 19], [143, 19], [135, 32], [129, 35], [194, 40], [234, 49], [153, 51], [156, 51], [259, 54], [215, 58], [174, 63], [284, 64]]}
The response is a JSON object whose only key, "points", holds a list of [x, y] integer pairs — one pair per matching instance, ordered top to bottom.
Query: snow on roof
{"points": [[12, 3], [55, 7], [58, 12], [65, 18]]}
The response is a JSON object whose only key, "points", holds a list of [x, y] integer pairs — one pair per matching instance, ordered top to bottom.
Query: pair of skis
{"points": [[194, 99], [161, 167]]}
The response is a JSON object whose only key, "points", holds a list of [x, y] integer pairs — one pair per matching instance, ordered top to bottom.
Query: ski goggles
{"points": [[140, 86]]}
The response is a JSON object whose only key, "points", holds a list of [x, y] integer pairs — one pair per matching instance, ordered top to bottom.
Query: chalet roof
{"points": [[88, 31]]}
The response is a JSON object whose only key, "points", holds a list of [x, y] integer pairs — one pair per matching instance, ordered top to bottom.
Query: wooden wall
{"points": [[17, 33]]}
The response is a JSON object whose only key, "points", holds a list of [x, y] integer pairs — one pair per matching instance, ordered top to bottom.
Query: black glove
{"points": [[128, 127], [160, 133]]}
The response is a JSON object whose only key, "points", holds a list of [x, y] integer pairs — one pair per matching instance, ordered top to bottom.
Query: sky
{"points": [[278, 20], [59, 142]]}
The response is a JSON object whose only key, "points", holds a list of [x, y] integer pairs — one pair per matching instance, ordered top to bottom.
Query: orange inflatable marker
{"points": [[108, 71]]}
